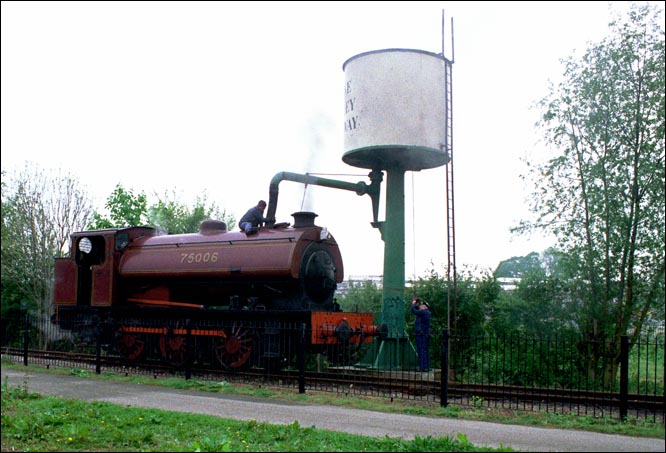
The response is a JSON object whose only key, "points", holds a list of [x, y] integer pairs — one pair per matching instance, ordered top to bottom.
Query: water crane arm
{"points": [[361, 188]]}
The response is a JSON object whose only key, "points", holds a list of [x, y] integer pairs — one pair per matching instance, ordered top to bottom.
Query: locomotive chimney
{"points": [[303, 219]]}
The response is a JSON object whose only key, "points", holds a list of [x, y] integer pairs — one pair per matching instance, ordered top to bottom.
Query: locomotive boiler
{"points": [[213, 296]]}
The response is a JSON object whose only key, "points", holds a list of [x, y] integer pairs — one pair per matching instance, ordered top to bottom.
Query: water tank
{"points": [[395, 110]]}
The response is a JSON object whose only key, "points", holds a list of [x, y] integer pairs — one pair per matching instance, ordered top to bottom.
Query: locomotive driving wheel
{"points": [[130, 345], [234, 348], [174, 349]]}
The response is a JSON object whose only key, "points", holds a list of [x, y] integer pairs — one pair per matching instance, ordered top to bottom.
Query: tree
{"points": [[602, 195], [125, 208], [128, 209], [39, 211], [175, 218], [516, 266], [476, 295], [363, 296], [536, 308]]}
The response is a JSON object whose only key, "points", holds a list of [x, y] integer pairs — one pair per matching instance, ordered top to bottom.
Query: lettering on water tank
{"points": [[349, 105], [352, 121]]}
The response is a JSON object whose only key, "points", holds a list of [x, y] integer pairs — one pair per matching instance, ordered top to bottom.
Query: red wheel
{"points": [[131, 346], [174, 349], [234, 349]]}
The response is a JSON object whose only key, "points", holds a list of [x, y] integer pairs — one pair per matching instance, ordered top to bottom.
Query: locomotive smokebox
{"points": [[395, 110], [303, 219]]}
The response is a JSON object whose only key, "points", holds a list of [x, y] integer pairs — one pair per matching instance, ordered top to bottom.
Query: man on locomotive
{"points": [[253, 218], [422, 332]]}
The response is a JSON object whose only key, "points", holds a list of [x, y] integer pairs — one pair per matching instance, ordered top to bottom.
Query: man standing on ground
{"points": [[422, 332]]}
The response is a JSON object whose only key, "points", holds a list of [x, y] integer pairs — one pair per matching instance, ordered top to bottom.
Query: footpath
{"points": [[330, 418]]}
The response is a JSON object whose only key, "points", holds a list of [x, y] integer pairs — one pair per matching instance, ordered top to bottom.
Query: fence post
{"points": [[26, 338], [98, 347], [188, 350], [301, 360], [444, 374], [624, 376]]}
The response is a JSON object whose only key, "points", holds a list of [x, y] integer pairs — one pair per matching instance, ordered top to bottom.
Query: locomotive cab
{"points": [[87, 277]]}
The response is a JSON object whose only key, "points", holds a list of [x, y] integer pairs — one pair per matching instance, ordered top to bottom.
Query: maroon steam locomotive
{"points": [[215, 293]]}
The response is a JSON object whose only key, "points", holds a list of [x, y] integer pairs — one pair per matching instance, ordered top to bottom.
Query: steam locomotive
{"points": [[213, 296]]}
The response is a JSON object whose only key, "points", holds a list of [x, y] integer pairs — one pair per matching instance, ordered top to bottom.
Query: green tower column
{"points": [[393, 235], [395, 351]]}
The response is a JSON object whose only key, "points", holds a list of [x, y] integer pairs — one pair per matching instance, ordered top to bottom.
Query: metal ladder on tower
{"points": [[451, 280]]}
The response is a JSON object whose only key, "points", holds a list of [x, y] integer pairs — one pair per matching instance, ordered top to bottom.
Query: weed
{"points": [[477, 401]]}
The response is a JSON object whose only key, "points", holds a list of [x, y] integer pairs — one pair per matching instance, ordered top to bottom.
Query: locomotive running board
{"points": [[164, 303]]}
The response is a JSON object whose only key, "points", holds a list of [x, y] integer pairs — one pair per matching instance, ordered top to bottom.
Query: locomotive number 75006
{"points": [[201, 257]]}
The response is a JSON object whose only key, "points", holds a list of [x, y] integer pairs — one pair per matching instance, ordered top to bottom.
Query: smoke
{"points": [[318, 132]]}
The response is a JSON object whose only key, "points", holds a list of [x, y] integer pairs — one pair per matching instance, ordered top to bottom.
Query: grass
{"points": [[31, 422], [34, 423], [65, 425]]}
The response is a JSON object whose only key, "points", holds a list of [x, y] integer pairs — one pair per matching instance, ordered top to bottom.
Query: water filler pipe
{"points": [[361, 188]]}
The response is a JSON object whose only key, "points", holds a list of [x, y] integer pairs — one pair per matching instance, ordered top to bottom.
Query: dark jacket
{"points": [[254, 216], [422, 321]]}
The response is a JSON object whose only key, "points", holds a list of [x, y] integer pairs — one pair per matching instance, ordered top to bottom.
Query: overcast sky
{"points": [[215, 98]]}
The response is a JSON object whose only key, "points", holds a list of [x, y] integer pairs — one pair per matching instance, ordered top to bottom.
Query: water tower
{"points": [[397, 119]]}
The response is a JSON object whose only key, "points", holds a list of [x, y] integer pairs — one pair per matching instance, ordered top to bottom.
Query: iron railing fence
{"points": [[562, 363], [506, 372], [563, 375]]}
